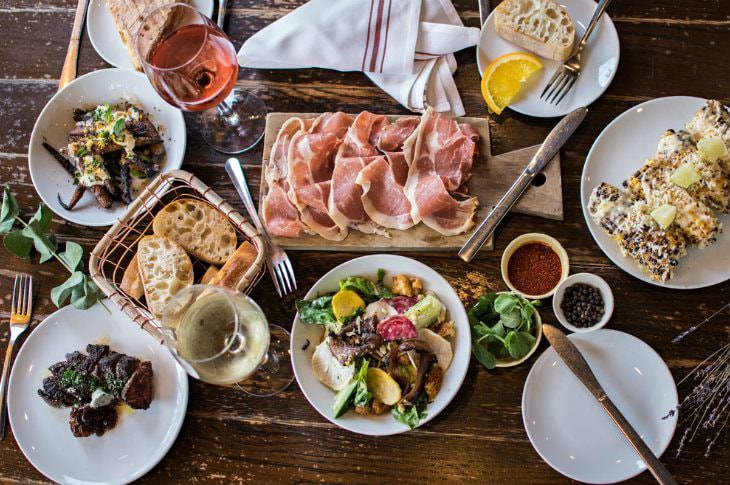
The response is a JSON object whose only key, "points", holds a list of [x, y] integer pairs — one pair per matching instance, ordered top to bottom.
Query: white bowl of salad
{"points": [[380, 344]]}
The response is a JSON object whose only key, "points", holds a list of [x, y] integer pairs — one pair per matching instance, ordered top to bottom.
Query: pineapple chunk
{"points": [[711, 148], [684, 176], [664, 215]]}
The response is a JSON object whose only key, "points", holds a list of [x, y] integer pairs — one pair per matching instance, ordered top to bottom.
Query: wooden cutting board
{"points": [[491, 176]]}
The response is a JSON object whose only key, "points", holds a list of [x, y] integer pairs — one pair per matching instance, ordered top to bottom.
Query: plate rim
{"points": [[91, 31], [557, 113], [105, 219], [640, 275], [595, 337], [396, 430], [161, 451]]}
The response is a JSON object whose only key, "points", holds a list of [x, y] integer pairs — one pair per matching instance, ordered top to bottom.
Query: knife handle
{"points": [[656, 467]]}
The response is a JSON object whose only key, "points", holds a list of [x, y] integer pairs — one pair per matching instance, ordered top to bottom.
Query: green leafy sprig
{"points": [[79, 288], [502, 327]]}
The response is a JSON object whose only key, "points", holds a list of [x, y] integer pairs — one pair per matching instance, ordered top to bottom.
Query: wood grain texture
{"points": [[668, 48], [491, 177]]}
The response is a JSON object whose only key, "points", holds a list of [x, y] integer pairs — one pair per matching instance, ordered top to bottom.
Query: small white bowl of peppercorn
{"points": [[534, 265], [583, 302]]}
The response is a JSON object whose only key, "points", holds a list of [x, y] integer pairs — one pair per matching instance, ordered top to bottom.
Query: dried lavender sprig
{"points": [[691, 329]]}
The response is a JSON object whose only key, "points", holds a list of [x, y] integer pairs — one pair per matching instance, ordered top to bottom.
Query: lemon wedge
{"points": [[505, 76], [345, 303], [383, 387]]}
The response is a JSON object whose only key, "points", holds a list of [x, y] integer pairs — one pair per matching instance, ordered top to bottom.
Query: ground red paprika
{"points": [[534, 269]]}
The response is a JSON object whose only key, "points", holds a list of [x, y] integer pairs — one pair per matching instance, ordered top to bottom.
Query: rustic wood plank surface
{"points": [[667, 48]]}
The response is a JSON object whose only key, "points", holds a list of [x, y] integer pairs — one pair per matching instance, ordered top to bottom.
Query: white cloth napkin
{"points": [[404, 46]]}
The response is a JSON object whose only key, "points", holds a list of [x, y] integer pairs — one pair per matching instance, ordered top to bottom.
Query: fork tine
{"points": [[550, 83], [555, 85], [559, 89], [567, 89], [290, 270], [282, 271], [275, 278], [23, 294], [30, 295], [14, 305]]}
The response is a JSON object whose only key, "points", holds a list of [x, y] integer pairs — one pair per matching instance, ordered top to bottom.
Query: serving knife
{"points": [[484, 9], [68, 73], [549, 148], [577, 364]]}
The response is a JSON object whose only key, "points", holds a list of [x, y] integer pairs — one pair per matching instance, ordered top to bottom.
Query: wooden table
{"points": [[669, 47]]}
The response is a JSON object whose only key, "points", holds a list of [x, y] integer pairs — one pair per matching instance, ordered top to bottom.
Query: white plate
{"points": [[104, 35], [599, 63], [53, 124], [621, 149], [322, 397], [568, 427], [138, 441]]}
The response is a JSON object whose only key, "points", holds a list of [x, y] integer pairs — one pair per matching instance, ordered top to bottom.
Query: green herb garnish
{"points": [[118, 127], [81, 152], [318, 311], [502, 327]]}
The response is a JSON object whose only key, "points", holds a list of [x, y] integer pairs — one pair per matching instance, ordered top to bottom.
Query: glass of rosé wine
{"points": [[192, 65]]}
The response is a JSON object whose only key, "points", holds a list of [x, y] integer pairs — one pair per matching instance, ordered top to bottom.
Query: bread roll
{"points": [[540, 26]]}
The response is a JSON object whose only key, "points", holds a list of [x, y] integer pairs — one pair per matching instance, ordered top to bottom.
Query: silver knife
{"points": [[484, 9], [221, 13], [549, 148], [577, 364]]}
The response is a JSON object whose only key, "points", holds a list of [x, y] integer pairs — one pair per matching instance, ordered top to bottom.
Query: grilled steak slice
{"points": [[95, 353], [75, 359], [126, 367], [138, 390], [54, 394], [86, 420]]}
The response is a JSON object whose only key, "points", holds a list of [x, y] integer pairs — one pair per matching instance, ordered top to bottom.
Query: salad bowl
{"points": [[306, 337]]}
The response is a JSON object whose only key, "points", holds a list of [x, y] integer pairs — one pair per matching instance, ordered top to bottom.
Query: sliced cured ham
{"points": [[363, 135], [393, 136], [440, 158], [311, 164], [382, 197]]}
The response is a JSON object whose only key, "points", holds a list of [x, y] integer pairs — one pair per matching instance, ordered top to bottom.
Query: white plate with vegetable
{"points": [[54, 124], [619, 151], [380, 344], [568, 427], [140, 438]]}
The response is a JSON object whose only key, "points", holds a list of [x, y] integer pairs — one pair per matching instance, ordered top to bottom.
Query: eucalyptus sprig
{"points": [[34, 234]]}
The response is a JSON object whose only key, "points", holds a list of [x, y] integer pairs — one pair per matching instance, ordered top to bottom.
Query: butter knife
{"points": [[68, 73], [549, 148], [577, 364]]}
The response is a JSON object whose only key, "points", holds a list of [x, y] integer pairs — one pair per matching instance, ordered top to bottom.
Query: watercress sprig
{"points": [[34, 234]]}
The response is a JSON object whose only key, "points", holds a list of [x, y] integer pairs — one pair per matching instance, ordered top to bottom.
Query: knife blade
{"points": [[484, 9], [68, 73], [549, 148], [577, 364]]}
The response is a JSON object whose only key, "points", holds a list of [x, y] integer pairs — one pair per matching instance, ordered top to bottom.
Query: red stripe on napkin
{"points": [[387, 30], [367, 41], [376, 41]]}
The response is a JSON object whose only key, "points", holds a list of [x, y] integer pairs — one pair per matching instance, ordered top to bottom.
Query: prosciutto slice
{"points": [[393, 136], [440, 158], [310, 160], [382, 197], [279, 213]]}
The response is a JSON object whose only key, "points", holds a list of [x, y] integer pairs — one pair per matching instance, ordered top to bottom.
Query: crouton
{"points": [[402, 286], [445, 329], [433, 382], [379, 407]]}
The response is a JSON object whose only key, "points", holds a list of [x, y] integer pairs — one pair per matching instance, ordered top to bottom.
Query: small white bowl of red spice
{"points": [[533, 265], [583, 302]]}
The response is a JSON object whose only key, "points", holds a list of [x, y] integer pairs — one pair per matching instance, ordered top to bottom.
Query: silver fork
{"points": [[564, 78], [277, 262], [20, 310]]}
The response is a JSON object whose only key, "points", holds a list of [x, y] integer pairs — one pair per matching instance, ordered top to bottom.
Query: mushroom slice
{"points": [[440, 347]]}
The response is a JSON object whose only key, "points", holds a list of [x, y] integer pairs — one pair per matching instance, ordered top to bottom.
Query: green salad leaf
{"points": [[368, 290], [318, 311], [502, 326], [362, 395], [413, 414]]}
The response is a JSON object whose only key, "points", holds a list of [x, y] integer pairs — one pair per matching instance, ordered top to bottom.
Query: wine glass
{"points": [[192, 64], [222, 337]]}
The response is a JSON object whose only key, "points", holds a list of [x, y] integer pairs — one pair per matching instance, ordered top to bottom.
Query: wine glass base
{"points": [[235, 125], [276, 373]]}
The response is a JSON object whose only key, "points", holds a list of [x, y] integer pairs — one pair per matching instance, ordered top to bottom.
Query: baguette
{"points": [[540, 26], [199, 228], [236, 266], [165, 268], [209, 274], [131, 282]]}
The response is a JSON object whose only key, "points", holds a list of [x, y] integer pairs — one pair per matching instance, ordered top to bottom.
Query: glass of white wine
{"points": [[222, 337]]}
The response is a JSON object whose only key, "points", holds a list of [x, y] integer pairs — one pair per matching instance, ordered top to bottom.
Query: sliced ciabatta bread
{"points": [[540, 26], [199, 228], [236, 266], [165, 269]]}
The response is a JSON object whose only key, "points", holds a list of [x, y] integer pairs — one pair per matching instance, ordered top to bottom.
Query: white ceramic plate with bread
{"points": [[105, 36], [599, 59]]}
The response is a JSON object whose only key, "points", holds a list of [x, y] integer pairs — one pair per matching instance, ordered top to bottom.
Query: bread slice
{"points": [[128, 17], [540, 26], [199, 228], [236, 266], [165, 269], [209, 274], [131, 282]]}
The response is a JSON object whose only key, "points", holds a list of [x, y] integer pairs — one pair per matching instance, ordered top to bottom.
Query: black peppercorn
{"points": [[582, 305]]}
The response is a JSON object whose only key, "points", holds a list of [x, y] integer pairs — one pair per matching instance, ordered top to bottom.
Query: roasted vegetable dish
{"points": [[112, 151], [385, 348], [93, 384]]}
